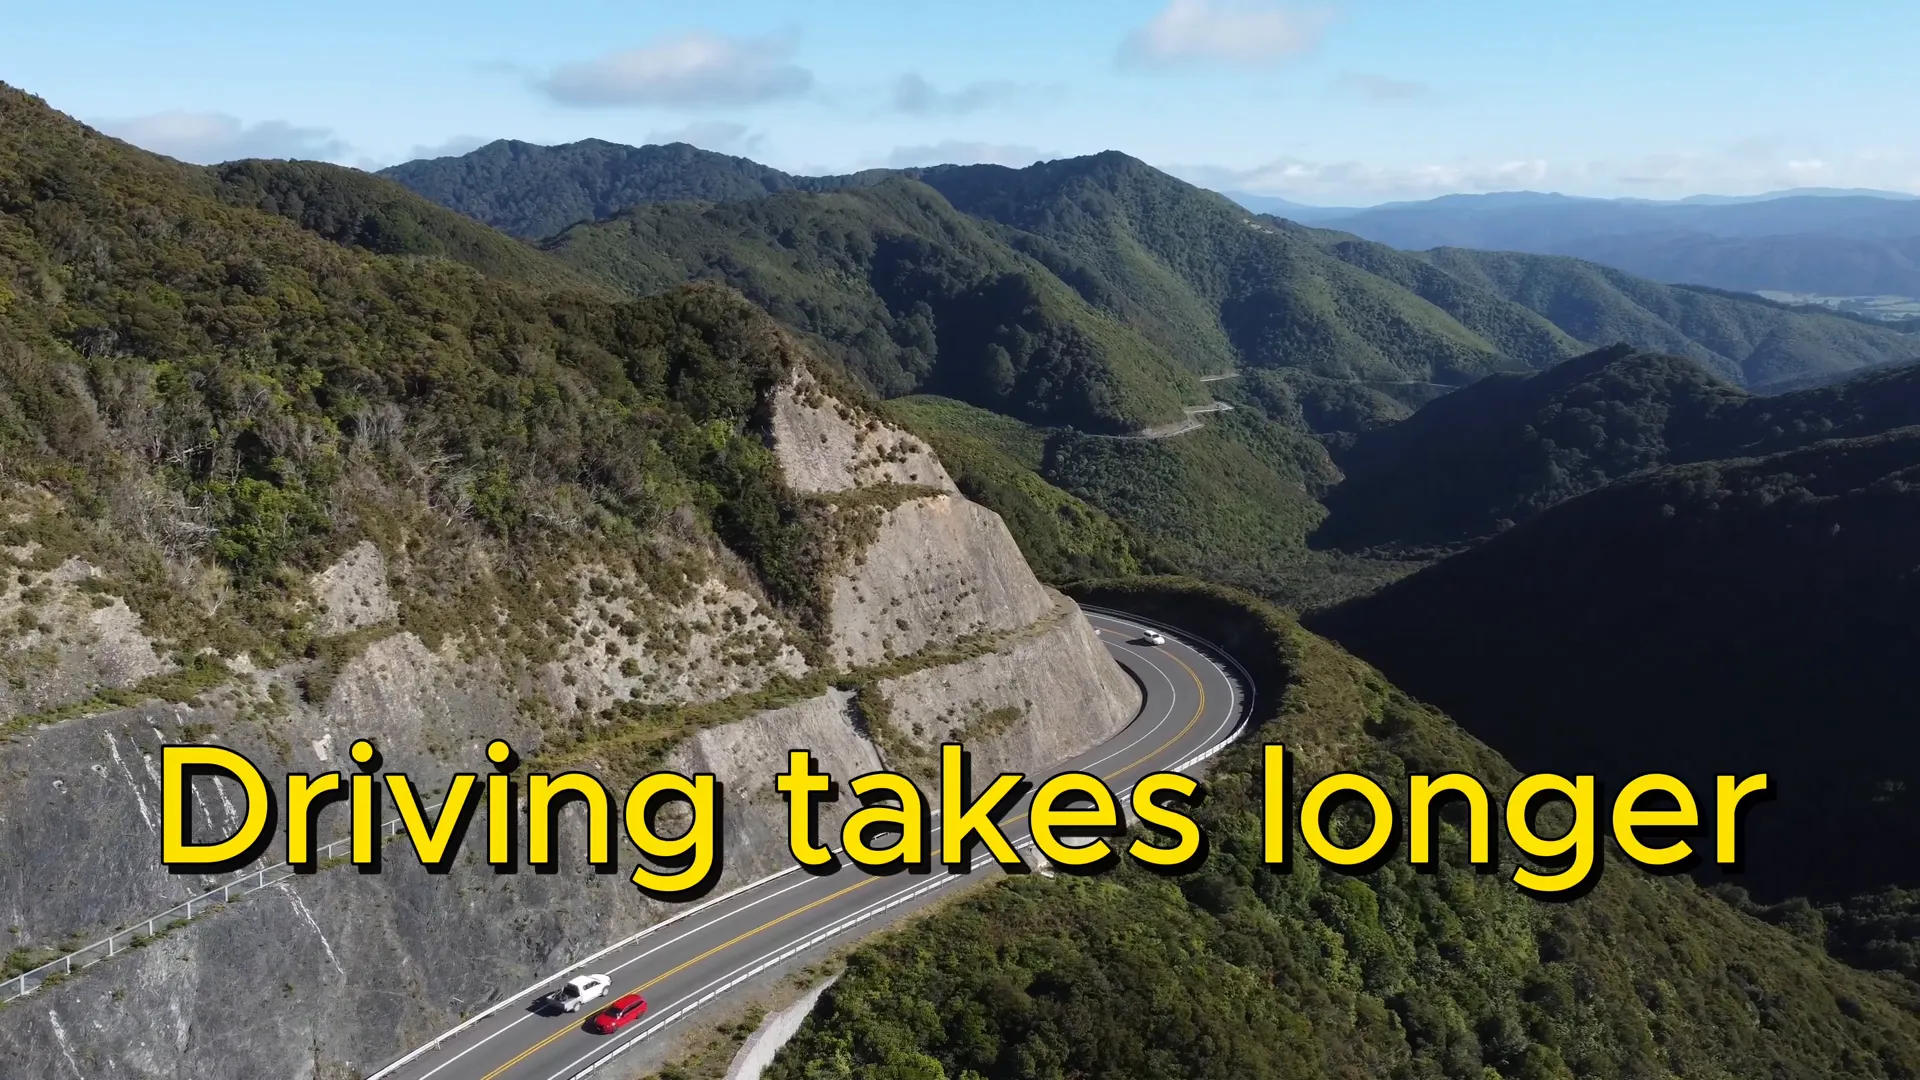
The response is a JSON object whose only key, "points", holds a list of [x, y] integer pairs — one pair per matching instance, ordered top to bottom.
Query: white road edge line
{"points": [[769, 959], [428, 1047]]}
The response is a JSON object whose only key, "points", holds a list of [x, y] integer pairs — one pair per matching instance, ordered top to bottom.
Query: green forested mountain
{"points": [[534, 191], [350, 207], [1189, 266], [1213, 284], [907, 292], [1747, 340], [1509, 446], [1738, 615], [1238, 972]]}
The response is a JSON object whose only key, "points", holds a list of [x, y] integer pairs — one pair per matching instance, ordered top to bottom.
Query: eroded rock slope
{"points": [[932, 611]]}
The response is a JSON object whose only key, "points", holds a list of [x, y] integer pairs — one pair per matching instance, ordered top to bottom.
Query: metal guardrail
{"points": [[137, 934]]}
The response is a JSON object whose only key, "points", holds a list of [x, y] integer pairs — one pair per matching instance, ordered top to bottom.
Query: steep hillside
{"points": [[534, 191], [350, 207], [1186, 265], [1823, 265], [1105, 282], [1212, 284], [908, 293], [1750, 342], [1506, 448], [997, 461], [264, 490], [1234, 500], [1740, 615], [1237, 971]]}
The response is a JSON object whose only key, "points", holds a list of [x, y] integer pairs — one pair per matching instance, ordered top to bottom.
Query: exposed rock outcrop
{"points": [[827, 445], [939, 569], [353, 592], [710, 641], [60, 642], [1040, 698], [331, 974]]}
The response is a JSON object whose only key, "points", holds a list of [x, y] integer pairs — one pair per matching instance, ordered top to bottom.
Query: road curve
{"points": [[1191, 706]]}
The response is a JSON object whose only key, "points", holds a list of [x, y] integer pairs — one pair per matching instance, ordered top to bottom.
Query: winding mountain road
{"points": [[1192, 707]]}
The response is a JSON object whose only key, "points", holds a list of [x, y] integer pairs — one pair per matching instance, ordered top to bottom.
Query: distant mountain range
{"points": [[1273, 204], [1825, 241], [1835, 242], [1022, 317]]}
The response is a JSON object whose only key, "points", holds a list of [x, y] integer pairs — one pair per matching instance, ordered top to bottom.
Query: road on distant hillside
{"points": [[1191, 707]]}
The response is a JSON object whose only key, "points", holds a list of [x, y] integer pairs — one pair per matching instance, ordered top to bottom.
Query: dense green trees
{"points": [[535, 191], [906, 292], [214, 384], [1508, 447], [1742, 615], [1236, 970]]}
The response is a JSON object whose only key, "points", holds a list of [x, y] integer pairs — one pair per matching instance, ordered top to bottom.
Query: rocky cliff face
{"points": [[331, 974]]}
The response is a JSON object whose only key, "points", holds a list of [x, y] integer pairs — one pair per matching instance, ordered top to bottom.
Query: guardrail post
{"points": [[189, 907], [69, 960]]}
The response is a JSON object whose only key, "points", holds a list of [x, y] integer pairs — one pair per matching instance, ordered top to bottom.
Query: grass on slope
{"points": [[906, 292], [1232, 501], [1237, 972]]}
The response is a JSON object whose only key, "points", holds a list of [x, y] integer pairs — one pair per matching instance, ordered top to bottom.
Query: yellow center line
{"points": [[1181, 734], [649, 984]]}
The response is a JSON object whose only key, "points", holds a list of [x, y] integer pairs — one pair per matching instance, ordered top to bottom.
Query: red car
{"points": [[619, 1014]]}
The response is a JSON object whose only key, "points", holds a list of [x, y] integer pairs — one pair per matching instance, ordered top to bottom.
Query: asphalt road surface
{"points": [[683, 963]]}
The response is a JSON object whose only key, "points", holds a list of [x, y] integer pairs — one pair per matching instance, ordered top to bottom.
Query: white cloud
{"points": [[1243, 33], [691, 70], [1380, 89], [915, 95], [720, 136], [209, 138], [451, 147], [960, 152], [1756, 165], [1745, 167], [1358, 182]]}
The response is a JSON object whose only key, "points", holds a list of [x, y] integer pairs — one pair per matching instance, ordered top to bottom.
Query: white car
{"points": [[1154, 637], [579, 990]]}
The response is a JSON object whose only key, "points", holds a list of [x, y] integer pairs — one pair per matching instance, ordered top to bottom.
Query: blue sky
{"points": [[1346, 101]]}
